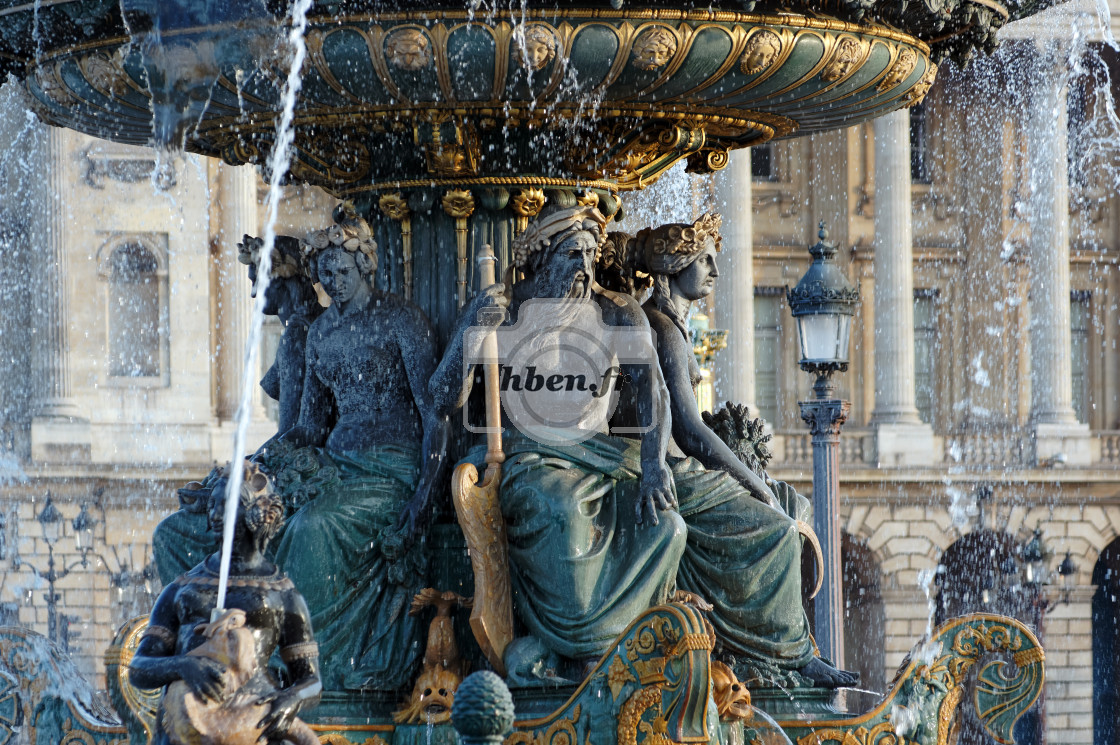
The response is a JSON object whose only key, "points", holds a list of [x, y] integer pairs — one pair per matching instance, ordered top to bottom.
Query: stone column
{"points": [[237, 195], [734, 302], [1055, 425], [59, 432], [902, 438]]}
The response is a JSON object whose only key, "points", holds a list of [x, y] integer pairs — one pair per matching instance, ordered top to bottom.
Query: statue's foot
{"points": [[824, 675]]}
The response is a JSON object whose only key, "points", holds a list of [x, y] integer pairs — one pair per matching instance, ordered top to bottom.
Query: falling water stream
{"points": [[280, 160]]}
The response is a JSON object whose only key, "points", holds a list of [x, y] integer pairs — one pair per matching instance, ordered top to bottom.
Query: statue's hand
{"points": [[493, 296], [486, 309], [656, 494], [414, 519], [204, 676], [285, 707]]}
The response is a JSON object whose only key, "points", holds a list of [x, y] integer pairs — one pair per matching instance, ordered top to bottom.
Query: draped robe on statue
{"points": [[331, 549], [582, 570]]}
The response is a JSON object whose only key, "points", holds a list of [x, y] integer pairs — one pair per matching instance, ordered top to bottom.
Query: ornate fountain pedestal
{"points": [[449, 129], [655, 687]]}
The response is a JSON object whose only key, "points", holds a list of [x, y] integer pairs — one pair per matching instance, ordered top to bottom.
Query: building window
{"points": [[919, 145], [762, 163], [136, 309], [1079, 319], [767, 350], [925, 353]]}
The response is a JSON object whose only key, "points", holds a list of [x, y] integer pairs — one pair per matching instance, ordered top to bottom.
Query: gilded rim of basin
{"points": [[574, 96]]}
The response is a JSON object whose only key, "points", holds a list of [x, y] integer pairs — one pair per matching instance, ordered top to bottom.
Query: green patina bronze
{"points": [[467, 122]]}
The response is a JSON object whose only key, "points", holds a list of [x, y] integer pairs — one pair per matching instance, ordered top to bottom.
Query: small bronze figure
{"points": [[219, 688]]}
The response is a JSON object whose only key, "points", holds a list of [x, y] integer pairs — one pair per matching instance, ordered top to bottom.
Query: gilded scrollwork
{"points": [[653, 48], [654, 635], [1000, 655]]}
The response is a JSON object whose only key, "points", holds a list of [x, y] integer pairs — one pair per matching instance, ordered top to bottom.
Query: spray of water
{"points": [[278, 166]]}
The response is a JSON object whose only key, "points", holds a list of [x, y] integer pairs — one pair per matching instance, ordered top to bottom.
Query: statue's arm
{"points": [[417, 344], [291, 362], [451, 384], [316, 403], [653, 412], [693, 436], [300, 655], [156, 663]]}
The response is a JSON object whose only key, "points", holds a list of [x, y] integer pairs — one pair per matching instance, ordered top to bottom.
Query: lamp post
{"points": [[823, 303], [50, 520], [133, 586]]}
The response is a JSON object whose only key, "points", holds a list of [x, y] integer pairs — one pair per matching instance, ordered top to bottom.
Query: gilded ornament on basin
{"points": [[534, 46], [653, 48], [408, 49], [762, 49], [849, 53], [900, 70], [106, 73], [52, 86], [918, 93], [528, 202], [458, 203], [394, 205]]}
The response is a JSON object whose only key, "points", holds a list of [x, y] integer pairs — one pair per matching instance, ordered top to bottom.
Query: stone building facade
{"points": [[984, 381]]}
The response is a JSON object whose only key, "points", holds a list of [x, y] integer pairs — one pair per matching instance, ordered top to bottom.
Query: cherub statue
{"points": [[219, 689]]}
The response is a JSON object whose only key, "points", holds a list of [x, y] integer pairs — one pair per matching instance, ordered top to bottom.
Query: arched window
{"points": [[135, 309], [973, 577], [864, 617], [1106, 645]]}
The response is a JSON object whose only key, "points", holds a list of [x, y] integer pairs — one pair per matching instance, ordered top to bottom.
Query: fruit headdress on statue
{"points": [[552, 227], [350, 233]]}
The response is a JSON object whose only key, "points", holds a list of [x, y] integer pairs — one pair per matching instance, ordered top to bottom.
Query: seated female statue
{"points": [[366, 412], [182, 539], [743, 552]]}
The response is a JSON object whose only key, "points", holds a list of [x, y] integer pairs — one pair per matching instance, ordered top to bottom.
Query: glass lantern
{"points": [[823, 303], [50, 519]]}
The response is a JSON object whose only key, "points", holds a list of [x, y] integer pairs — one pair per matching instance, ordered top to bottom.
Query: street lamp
{"points": [[823, 303], [50, 520], [83, 526], [133, 586]]}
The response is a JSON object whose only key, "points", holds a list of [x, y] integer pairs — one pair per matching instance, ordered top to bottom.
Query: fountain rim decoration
{"points": [[463, 106]]}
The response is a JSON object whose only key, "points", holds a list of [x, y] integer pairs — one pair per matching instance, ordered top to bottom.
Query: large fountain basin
{"points": [[407, 98]]}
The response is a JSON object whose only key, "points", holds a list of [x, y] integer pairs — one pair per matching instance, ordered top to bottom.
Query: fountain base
{"points": [[654, 687]]}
